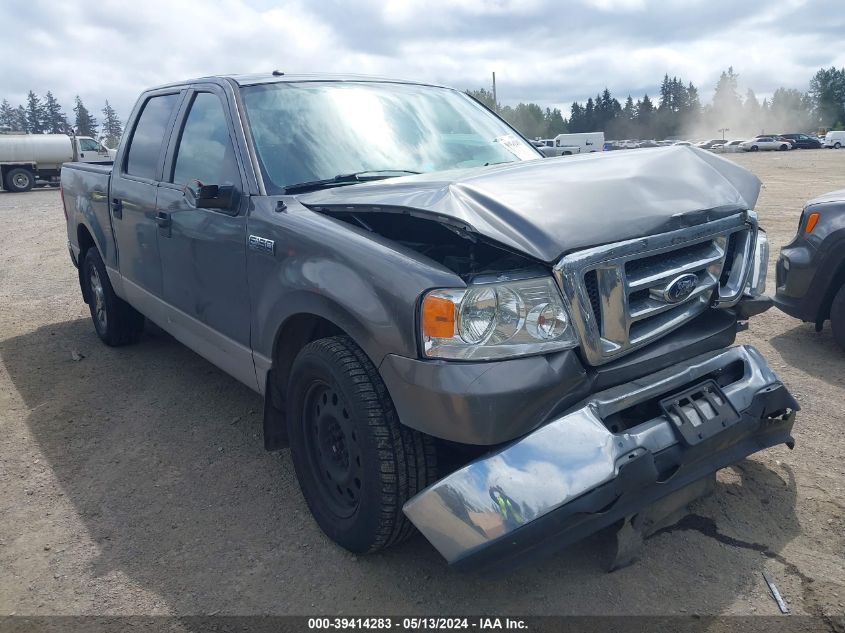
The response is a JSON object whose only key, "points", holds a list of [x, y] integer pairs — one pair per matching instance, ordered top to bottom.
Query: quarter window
{"points": [[145, 145], [205, 150]]}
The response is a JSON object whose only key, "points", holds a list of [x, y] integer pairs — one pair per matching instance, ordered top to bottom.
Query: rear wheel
{"points": [[837, 145], [19, 180], [837, 317], [116, 322], [356, 464]]}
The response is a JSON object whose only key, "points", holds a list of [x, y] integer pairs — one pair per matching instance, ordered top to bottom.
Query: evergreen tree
{"points": [[827, 91], [665, 94], [484, 96], [727, 104], [693, 106], [34, 114], [589, 115], [7, 116], [645, 117], [576, 118], [55, 121], [21, 123], [555, 123], [86, 125], [112, 127]]}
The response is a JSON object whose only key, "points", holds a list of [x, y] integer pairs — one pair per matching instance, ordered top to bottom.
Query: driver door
{"points": [[203, 251]]}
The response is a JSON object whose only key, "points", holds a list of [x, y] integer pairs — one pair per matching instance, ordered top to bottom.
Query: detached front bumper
{"points": [[611, 456]]}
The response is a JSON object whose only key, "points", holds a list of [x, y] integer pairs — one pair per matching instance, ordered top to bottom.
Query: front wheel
{"points": [[837, 145], [754, 148], [783, 148], [19, 180], [837, 317], [116, 322], [356, 464]]}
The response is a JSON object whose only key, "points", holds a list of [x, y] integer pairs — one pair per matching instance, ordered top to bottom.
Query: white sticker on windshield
{"points": [[516, 147]]}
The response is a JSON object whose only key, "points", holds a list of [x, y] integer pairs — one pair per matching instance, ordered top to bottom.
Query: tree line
{"points": [[677, 111], [46, 116]]}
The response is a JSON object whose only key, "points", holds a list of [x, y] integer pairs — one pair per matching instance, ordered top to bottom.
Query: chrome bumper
{"points": [[573, 475]]}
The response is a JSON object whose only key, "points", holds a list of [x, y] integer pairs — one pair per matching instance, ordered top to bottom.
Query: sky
{"points": [[550, 52]]}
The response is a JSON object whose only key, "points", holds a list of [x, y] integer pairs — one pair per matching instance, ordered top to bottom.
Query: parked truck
{"points": [[579, 143], [25, 158], [448, 331]]}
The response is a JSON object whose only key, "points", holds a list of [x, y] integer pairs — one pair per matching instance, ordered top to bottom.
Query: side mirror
{"points": [[211, 196]]}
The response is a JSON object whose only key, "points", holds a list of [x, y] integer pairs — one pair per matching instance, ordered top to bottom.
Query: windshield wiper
{"points": [[347, 179]]}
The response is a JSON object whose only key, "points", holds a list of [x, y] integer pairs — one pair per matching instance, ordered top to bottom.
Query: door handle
{"points": [[117, 207], [163, 221]]}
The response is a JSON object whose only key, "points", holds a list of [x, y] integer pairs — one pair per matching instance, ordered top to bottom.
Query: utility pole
{"points": [[495, 100], [723, 130]]}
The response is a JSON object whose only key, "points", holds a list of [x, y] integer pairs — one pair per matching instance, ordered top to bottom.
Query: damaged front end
{"points": [[610, 457]]}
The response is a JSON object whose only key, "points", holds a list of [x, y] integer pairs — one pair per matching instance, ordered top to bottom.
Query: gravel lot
{"points": [[133, 480]]}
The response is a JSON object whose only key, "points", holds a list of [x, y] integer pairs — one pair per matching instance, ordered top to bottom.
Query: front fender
{"points": [[365, 284]]}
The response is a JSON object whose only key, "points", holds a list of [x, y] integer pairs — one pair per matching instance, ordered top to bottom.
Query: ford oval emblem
{"points": [[680, 288]]}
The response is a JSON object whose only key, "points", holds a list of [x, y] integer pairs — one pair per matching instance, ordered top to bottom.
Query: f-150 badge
{"points": [[261, 244]]}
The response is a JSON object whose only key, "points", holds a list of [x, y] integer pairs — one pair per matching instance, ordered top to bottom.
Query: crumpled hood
{"points": [[547, 207]]}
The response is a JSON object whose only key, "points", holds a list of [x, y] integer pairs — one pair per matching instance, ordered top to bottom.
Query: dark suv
{"points": [[802, 141], [811, 268]]}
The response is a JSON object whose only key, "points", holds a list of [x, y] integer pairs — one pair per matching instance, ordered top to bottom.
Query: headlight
{"points": [[759, 266], [496, 320]]}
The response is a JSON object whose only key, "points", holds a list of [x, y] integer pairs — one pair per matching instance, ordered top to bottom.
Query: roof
{"points": [[278, 77]]}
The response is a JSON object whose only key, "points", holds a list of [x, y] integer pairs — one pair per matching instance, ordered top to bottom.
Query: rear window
{"points": [[145, 144]]}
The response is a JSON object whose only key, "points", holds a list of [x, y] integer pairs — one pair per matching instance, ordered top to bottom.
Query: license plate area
{"points": [[700, 412]]}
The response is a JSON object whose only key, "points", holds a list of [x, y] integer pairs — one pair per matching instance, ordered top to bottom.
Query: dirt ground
{"points": [[133, 480]]}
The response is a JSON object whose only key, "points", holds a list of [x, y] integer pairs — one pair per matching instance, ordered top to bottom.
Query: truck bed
{"points": [[85, 190]]}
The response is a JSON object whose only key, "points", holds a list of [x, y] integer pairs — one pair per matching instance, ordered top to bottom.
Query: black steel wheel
{"points": [[333, 452], [356, 464]]}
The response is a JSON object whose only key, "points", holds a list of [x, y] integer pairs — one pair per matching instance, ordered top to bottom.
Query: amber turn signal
{"points": [[812, 220], [438, 317]]}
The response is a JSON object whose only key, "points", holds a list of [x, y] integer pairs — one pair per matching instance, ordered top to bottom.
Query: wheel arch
{"points": [[85, 241], [837, 280], [297, 329]]}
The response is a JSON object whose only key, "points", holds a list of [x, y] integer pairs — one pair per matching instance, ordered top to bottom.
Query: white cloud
{"points": [[542, 50]]}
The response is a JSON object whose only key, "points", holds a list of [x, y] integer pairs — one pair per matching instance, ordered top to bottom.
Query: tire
{"points": [[837, 145], [754, 148], [783, 148], [19, 180], [837, 317], [116, 322], [356, 464]]}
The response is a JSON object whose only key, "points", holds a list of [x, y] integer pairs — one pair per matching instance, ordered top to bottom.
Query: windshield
{"points": [[305, 132]]}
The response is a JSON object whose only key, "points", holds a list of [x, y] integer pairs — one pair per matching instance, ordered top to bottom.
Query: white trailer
{"points": [[580, 143], [25, 158]]}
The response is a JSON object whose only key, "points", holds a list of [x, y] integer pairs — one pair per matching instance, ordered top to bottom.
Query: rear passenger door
{"points": [[133, 193], [203, 251]]}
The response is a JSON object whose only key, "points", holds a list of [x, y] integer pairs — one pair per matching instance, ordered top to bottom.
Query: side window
{"points": [[146, 141], [88, 145], [205, 150]]}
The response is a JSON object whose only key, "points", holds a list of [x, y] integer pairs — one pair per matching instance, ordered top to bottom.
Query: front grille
{"points": [[591, 283], [619, 294]]}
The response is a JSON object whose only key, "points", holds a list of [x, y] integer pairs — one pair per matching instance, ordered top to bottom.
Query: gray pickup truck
{"points": [[811, 268], [449, 331]]}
